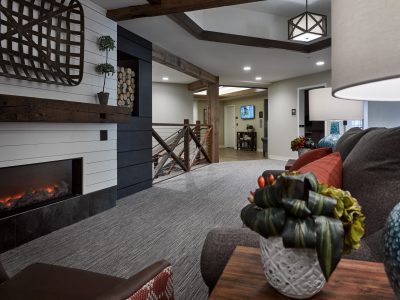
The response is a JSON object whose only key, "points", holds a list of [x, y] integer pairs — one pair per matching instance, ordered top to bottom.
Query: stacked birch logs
{"points": [[126, 87]]}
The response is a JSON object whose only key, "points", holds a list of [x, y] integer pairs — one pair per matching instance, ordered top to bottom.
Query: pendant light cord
{"points": [[306, 5]]}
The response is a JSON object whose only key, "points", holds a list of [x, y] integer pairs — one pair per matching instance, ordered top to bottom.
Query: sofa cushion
{"points": [[349, 139], [309, 157], [328, 169], [371, 173]]}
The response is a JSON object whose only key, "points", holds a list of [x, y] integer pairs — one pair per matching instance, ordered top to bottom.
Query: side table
{"points": [[243, 278]]}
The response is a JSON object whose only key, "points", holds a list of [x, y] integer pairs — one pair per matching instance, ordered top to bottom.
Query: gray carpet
{"points": [[170, 221]]}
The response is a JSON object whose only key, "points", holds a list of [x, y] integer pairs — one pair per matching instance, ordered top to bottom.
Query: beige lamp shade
{"points": [[366, 49], [323, 107]]}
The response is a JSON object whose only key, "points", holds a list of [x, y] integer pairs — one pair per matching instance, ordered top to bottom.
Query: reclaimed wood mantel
{"points": [[29, 109]]}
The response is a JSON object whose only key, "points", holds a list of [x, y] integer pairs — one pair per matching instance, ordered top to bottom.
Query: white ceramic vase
{"points": [[301, 151], [294, 273]]}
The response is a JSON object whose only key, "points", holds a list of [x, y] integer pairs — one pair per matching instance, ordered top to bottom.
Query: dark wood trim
{"points": [[154, 1], [165, 7], [188, 24], [212, 36], [166, 58], [197, 86], [29, 109], [213, 120], [169, 151]]}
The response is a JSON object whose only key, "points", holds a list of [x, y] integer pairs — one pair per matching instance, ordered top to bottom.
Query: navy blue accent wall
{"points": [[134, 138]]}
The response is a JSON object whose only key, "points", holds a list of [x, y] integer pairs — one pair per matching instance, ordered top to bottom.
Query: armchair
{"points": [[45, 282]]}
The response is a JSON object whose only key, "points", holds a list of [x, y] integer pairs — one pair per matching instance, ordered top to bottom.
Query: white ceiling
{"points": [[288, 8], [225, 60], [160, 71]]}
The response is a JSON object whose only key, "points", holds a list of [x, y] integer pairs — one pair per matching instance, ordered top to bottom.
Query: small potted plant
{"points": [[107, 44], [302, 145], [304, 228]]}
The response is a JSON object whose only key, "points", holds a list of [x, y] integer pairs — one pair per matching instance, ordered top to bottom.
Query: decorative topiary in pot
{"points": [[107, 44]]}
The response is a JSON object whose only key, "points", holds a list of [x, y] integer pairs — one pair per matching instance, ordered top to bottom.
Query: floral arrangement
{"points": [[301, 142], [298, 143], [306, 214]]}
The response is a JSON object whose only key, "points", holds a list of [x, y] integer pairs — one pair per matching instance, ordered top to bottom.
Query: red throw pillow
{"points": [[309, 157], [328, 169]]}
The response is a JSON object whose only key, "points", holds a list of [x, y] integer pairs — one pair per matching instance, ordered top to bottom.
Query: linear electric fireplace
{"points": [[30, 186], [37, 199]]}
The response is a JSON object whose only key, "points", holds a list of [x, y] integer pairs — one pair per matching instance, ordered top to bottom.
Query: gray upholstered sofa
{"points": [[371, 172]]}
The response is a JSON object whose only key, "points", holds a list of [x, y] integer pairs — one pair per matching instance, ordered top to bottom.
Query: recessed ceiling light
{"points": [[320, 63], [247, 68], [165, 78], [258, 78]]}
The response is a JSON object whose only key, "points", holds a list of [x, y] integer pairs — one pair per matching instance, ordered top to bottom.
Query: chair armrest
{"points": [[218, 248], [3, 274], [153, 280]]}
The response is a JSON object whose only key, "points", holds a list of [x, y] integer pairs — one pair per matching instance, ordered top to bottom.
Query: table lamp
{"points": [[366, 50], [324, 107]]}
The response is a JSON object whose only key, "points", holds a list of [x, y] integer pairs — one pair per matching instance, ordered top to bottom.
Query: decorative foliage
{"points": [[42, 41], [106, 43], [107, 69], [301, 142], [298, 143], [348, 211], [307, 215]]}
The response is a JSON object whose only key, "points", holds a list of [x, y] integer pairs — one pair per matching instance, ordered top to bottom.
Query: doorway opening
{"points": [[229, 126], [310, 129]]}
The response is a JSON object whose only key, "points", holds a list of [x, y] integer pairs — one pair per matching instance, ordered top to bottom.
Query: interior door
{"points": [[229, 126]]}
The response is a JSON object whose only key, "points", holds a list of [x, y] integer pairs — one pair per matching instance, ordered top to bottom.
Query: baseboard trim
{"points": [[277, 157]]}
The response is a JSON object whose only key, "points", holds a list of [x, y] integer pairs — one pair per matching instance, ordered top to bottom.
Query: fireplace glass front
{"points": [[30, 186]]}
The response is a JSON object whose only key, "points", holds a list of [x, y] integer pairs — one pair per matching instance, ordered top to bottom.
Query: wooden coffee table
{"points": [[243, 278]]}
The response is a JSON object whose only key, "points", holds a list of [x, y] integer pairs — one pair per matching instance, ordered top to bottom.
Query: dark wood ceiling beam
{"points": [[154, 1], [166, 7], [188, 24], [195, 30], [168, 59], [197, 86]]}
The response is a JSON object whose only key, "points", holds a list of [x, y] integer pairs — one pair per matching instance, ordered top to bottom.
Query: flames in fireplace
{"points": [[33, 196]]}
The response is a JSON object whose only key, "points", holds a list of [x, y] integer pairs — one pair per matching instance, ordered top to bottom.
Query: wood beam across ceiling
{"points": [[165, 7], [195, 30], [168, 59], [197, 86]]}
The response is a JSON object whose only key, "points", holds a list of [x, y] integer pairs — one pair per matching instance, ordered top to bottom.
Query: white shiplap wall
{"points": [[26, 143]]}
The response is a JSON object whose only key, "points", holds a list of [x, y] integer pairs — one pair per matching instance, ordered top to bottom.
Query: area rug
{"points": [[168, 221]]}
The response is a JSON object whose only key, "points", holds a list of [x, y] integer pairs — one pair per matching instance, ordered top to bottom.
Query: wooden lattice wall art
{"points": [[42, 40]]}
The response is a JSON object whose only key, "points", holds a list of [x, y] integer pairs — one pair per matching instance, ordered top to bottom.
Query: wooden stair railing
{"points": [[165, 150]]}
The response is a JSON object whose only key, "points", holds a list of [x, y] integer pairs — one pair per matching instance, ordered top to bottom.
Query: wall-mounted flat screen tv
{"points": [[247, 112]]}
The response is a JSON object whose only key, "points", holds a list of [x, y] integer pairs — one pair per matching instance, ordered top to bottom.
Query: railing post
{"points": [[197, 132], [186, 144]]}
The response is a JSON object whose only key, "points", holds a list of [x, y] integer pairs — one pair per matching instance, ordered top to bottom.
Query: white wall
{"points": [[172, 103], [383, 114], [283, 127], [25, 143]]}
